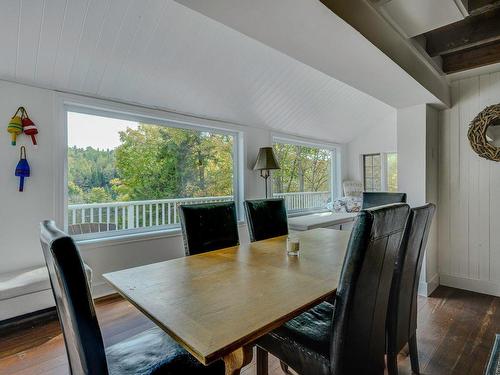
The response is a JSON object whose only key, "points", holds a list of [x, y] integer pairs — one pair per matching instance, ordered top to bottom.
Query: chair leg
{"points": [[412, 344], [262, 363], [392, 364], [285, 369]]}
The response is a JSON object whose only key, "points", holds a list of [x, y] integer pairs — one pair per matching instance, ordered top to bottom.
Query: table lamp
{"points": [[266, 160]]}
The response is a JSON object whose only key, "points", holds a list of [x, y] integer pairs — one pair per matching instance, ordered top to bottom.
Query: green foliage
{"points": [[153, 162], [156, 162], [302, 168], [87, 169], [392, 172], [98, 195]]}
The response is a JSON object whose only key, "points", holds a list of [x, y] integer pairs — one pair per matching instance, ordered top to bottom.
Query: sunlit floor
{"points": [[455, 335]]}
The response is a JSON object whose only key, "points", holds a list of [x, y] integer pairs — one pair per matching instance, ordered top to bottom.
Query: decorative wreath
{"points": [[477, 133]]}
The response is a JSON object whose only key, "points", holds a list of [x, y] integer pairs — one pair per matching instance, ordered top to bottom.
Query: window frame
{"points": [[153, 117], [335, 167], [384, 181]]}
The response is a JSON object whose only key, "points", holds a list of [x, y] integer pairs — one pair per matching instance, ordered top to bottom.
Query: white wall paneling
{"points": [[469, 193]]}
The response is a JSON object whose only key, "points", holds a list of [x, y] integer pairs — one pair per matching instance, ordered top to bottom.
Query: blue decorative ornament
{"points": [[22, 169]]}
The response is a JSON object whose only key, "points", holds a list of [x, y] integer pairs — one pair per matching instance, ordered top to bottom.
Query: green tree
{"points": [[155, 162], [302, 168], [97, 195]]}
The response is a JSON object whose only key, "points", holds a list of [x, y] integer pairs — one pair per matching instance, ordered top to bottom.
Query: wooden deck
{"points": [[455, 335]]}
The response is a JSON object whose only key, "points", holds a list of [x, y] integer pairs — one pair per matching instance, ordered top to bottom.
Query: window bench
{"points": [[331, 220], [26, 291]]}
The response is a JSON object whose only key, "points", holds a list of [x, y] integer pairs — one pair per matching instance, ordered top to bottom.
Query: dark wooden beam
{"points": [[479, 6], [471, 32], [471, 58]]}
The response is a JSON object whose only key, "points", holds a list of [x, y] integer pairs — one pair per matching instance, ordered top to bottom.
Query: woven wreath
{"points": [[477, 133]]}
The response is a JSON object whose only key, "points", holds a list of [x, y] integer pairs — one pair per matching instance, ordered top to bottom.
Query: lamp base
{"points": [[265, 173]]}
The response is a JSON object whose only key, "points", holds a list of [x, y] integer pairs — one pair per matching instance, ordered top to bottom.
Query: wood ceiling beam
{"points": [[476, 7], [471, 32], [471, 58]]}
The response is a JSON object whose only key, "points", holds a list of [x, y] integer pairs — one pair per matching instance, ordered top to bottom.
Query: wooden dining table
{"points": [[216, 304]]}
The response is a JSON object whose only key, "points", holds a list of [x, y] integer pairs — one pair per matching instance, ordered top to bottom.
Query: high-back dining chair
{"points": [[380, 198], [266, 218], [208, 226], [402, 315], [348, 337], [150, 352]]}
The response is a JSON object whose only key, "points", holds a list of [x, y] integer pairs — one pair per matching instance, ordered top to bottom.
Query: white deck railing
{"points": [[306, 200], [164, 212], [134, 214]]}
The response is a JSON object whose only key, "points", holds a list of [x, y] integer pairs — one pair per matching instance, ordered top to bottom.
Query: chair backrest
{"points": [[352, 188], [375, 199], [266, 218], [208, 226], [74, 304], [402, 316], [359, 318]]}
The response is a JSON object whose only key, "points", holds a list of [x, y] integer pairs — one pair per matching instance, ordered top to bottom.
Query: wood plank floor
{"points": [[455, 335]]}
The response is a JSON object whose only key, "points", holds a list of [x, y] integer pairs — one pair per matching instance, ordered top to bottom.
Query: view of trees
{"points": [[152, 162], [157, 162], [302, 168], [392, 172]]}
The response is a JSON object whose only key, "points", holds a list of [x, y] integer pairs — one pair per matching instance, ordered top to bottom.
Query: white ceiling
{"points": [[418, 17], [311, 33], [162, 54]]}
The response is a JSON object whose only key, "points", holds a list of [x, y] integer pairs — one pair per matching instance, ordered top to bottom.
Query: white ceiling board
{"points": [[54, 12], [418, 17], [9, 20], [311, 33], [29, 35], [162, 54]]}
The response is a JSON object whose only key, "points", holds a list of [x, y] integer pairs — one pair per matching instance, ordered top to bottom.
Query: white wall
{"points": [[378, 138], [417, 175], [469, 193], [21, 213]]}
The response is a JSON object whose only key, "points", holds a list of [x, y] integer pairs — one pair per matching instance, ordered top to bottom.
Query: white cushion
{"points": [[30, 280]]}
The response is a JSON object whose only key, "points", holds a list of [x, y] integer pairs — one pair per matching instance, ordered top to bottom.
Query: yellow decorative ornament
{"points": [[15, 127]]}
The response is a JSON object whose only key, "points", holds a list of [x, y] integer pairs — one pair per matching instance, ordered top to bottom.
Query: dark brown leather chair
{"points": [[380, 198], [266, 218], [208, 226], [402, 315], [348, 337], [150, 352]]}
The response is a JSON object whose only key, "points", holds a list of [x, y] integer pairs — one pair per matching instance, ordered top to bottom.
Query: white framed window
{"points": [[380, 171], [128, 174], [309, 178]]}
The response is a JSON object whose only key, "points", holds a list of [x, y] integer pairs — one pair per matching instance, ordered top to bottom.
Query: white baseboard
{"points": [[474, 285], [426, 288]]}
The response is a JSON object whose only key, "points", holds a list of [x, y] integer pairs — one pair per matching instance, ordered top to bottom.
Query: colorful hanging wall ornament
{"points": [[15, 126], [29, 128], [22, 169]]}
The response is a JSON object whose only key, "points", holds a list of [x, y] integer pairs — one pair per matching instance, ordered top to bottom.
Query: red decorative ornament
{"points": [[29, 128]]}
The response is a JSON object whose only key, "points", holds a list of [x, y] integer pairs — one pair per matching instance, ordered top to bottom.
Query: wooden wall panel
{"points": [[469, 193]]}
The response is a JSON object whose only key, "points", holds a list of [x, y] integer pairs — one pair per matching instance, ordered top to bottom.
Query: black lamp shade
{"points": [[266, 160]]}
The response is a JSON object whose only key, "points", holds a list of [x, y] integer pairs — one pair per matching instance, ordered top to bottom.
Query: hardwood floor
{"points": [[455, 335]]}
